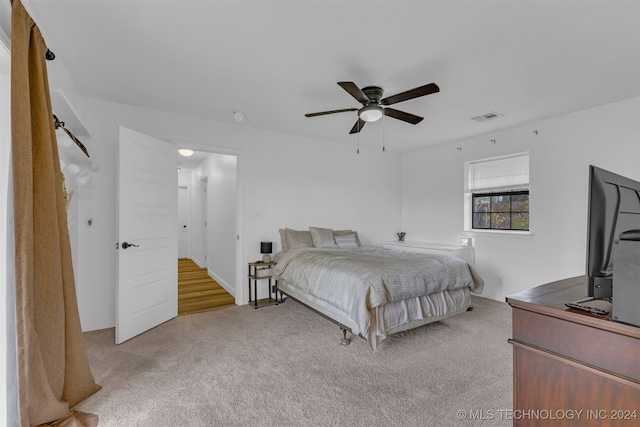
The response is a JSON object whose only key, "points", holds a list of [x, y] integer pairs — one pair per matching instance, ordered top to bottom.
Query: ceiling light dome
{"points": [[370, 113], [185, 152]]}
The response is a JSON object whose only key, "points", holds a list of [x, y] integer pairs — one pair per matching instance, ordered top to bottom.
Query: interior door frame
{"points": [[188, 189], [204, 212], [240, 288]]}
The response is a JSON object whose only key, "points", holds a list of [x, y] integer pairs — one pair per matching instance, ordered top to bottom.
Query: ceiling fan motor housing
{"points": [[374, 93]]}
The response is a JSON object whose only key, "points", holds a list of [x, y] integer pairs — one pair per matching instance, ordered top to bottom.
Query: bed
{"points": [[368, 290]]}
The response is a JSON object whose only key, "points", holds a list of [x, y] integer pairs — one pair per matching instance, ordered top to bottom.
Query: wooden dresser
{"points": [[571, 368]]}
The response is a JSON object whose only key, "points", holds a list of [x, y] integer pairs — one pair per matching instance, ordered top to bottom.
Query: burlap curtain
{"points": [[53, 370]]}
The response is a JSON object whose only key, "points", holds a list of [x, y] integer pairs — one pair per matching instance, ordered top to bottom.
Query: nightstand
{"points": [[261, 271]]}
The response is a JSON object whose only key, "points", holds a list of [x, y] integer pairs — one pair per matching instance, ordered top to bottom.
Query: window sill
{"points": [[513, 233]]}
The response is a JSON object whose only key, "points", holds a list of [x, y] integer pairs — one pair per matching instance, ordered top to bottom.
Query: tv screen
{"points": [[614, 207]]}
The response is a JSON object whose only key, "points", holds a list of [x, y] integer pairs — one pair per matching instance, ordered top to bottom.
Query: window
{"points": [[497, 193], [501, 211]]}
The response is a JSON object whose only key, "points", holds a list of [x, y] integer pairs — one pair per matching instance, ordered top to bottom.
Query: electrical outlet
{"points": [[466, 242]]}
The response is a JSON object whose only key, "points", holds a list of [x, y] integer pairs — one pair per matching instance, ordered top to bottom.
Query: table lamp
{"points": [[266, 248]]}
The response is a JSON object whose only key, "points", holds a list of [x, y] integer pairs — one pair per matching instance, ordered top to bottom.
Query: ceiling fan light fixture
{"points": [[370, 113], [185, 152]]}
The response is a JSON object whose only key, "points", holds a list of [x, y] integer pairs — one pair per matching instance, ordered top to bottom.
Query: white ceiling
{"points": [[277, 60], [190, 163]]}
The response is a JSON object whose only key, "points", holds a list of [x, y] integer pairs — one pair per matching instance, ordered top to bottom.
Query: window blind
{"points": [[499, 174]]}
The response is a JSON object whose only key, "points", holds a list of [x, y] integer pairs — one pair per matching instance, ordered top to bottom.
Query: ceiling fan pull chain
{"points": [[383, 133], [358, 150]]}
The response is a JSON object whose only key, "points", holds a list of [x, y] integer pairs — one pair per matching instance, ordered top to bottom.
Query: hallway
{"points": [[197, 291]]}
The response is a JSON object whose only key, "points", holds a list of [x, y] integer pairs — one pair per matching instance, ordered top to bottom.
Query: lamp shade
{"points": [[266, 247]]}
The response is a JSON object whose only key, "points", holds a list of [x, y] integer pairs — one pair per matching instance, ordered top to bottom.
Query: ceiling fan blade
{"points": [[355, 92], [410, 94], [322, 113], [401, 115], [358, 126]]}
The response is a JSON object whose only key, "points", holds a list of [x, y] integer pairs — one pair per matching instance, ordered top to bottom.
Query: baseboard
{"points": [[197, 261], [221, 282], [98, 327]]}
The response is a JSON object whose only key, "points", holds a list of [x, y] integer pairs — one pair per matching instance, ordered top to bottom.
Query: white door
{"points": [[183, 217], [147, 288]]}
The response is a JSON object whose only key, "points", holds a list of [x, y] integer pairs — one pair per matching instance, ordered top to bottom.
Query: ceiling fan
{"points": [[374, 106]]}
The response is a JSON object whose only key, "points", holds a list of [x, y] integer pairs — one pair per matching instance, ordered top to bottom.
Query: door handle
{"points": [[126, 245]]}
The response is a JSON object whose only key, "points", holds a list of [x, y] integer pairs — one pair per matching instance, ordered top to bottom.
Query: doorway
{"points": [[211, 233]]}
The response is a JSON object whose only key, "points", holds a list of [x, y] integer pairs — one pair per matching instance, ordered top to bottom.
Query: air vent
{"points": [[487, 117]]}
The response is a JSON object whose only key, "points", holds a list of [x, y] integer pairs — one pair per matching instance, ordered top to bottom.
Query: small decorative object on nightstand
{"points": [[401, 236], [267, 249], [258, 271]]}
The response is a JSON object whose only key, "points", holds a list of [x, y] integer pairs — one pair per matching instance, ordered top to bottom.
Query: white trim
{"points": [[513, 233], [227, 287]]}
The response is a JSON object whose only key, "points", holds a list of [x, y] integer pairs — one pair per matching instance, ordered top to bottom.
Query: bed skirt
{"points": [[393, 317]]}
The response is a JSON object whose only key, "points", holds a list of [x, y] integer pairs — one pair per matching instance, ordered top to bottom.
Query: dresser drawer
{"points": [[616, 354], [545, 383]]}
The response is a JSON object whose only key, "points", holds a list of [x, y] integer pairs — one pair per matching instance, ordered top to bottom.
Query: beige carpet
{"points": [[283, 366]]}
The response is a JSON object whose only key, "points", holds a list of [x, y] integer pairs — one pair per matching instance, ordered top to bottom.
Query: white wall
{"points": [[220, 171], [184, 178], [285, 180], [433, 183], [221, 222], [197, 236], [8, 379]]}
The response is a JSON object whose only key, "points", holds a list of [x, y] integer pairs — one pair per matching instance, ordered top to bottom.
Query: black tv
{"points": [[614, 207]]}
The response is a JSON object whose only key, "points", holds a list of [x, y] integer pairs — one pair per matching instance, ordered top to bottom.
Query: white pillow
{"points": [[347, 232], [322, 237], [283, 239], [298, 239], [346, 241]]}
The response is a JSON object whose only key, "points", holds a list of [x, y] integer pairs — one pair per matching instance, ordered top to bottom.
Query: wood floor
{"points": [[197, 291]]}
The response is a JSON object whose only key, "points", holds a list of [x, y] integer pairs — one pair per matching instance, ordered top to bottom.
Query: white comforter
{"points": [[358, 280]]}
